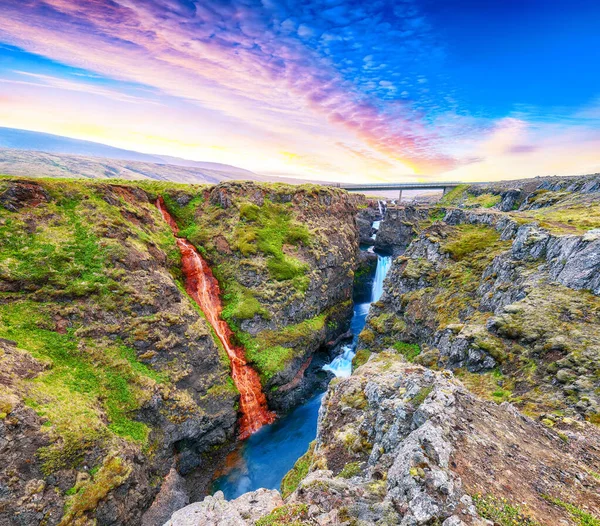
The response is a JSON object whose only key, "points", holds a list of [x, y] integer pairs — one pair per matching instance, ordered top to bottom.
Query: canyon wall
{"points": [[112, 382], [475, 394]]}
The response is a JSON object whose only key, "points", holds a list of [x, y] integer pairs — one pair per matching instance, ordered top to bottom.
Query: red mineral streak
{"points": [[203, 287]]}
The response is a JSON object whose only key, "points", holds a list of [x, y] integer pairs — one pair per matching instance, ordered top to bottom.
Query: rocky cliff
{"points": [[507, 299], [110, 376], [399, 444]]}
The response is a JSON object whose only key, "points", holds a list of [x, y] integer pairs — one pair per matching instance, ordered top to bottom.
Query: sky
{"points": [[343, 90]]}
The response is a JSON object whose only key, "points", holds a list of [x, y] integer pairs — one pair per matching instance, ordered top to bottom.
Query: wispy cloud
{"points": [[344, 85]]}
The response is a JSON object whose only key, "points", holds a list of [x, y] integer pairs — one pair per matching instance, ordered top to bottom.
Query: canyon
{"points": [[148, 329]]}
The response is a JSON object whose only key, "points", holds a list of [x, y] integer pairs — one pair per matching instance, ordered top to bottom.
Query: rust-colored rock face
{"points": [[202, 286]]}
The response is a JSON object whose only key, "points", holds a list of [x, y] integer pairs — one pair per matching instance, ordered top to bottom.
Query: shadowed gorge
{"points": [[202, 286]]}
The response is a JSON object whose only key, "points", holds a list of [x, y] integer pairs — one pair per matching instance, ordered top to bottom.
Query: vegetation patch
{"points": [[454, 196], [483, 200], [467, 239], [409, 350], [360, 358], [86, 380], [420, 397], [351, 469], [298, 472], [113, 473], [502, 512], [288, 515], [582, 517]]}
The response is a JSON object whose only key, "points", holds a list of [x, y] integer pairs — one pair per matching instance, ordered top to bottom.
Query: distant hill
{"points": [[24, 152]]}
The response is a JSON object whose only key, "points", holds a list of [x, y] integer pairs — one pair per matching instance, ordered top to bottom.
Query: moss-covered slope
{"points": [[285, 258], [109, 373]]}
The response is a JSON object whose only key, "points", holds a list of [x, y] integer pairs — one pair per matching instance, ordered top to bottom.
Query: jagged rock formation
{"points": [[364, 222], [399, 228], [482, 290], [109, 375], [400, 444]]}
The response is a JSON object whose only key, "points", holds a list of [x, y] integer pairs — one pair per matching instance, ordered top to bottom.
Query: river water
{"points": [[262, 460]]}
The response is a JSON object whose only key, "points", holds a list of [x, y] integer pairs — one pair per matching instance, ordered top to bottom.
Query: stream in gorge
{"points": [[266, 456]]}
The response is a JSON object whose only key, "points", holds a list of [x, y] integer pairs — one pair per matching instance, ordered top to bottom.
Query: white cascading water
{"points": [[375, 227], [383, 265], [341, 366]]}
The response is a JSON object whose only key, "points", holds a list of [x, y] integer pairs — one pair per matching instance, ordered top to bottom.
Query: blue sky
{"points": [[336, 89]]}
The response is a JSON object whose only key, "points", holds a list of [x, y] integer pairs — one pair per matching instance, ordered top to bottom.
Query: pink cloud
{"points": [[222, 56]]}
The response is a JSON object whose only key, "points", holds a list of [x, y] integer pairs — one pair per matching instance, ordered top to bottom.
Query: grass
{"points": [[454, 196], [483, 200], [575, 218], [267, 229], [63, 254], [409, 350], [493, 385], [420, 397], [351, 469], [298, 472], [502, 512], [288, 515], [582, 517]]}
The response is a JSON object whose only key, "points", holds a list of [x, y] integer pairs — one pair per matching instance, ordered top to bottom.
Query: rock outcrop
{"points": [[399, 227], [478, 292], [400, 444]]}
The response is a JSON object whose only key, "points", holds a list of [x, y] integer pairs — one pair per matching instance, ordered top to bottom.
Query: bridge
{"points": [[445, 186]]}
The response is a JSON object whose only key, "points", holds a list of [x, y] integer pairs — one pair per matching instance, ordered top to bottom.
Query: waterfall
{"points": [[380, 204], [375, 228], [383, 265], [203, 288], [341, 365]]}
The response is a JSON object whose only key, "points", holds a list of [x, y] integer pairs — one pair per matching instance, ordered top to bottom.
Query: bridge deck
{"points": [[397, 186]]}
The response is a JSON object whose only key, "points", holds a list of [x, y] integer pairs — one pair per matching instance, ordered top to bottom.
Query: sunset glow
{"points": [[328, 89]]}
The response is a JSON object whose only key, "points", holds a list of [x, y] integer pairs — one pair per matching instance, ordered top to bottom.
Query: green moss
{"points": [[454, 196], [483, 200], [437, 214], [267, 229], [467, 239], [63, 254], [285, 268], [241, 304], [367, 336], [409, 350], [271, 351], [360, 358], [269, 361], [85, 376], [493, 385], [420, 397], [355, 399], [351, 469], [298, 472], [113, 473], [502, 512], [288, 515], [582, 517]]}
